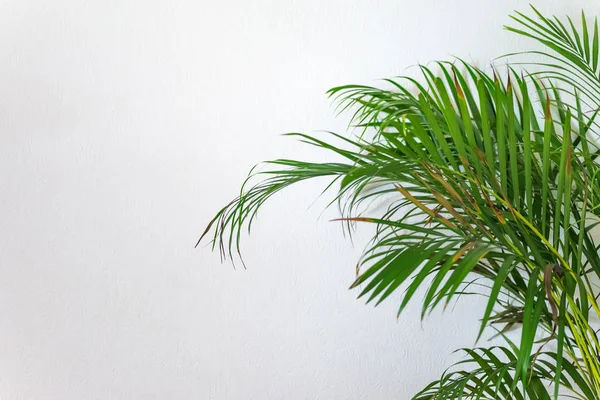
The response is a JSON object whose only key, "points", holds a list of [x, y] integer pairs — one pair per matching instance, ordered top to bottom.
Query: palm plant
{"points": [[489, 178]]}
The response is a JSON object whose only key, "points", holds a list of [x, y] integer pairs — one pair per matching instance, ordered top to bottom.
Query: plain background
{"points": [[124, 125]]}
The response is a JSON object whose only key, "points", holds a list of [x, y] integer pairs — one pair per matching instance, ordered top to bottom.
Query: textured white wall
{"points": [[125, 124]]}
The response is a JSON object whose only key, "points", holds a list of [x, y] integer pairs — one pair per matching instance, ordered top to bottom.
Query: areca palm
{"points": [[491, 176]]}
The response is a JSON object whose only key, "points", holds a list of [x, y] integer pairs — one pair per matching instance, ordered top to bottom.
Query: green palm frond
{"points": [[572, 53], [570, 56], [491, 177], [487, 373]]}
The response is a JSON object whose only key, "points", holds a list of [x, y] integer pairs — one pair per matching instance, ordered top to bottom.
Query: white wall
{"points": [[126, 123]]}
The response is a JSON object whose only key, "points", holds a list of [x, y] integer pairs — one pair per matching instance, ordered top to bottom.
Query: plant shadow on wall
{"points": [[494, 177]]}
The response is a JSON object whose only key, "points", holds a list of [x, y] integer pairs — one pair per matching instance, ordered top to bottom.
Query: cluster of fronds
{"points": [[489, 176]]}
